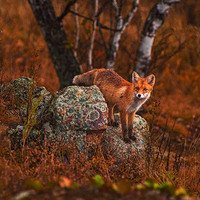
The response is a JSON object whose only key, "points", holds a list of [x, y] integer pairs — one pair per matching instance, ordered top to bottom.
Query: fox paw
{"points": [[113, 123], [132, 137], [127, 140]]}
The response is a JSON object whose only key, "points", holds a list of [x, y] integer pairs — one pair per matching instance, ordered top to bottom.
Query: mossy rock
{"points": [[26, 93], [79, 108], [114, 144]]}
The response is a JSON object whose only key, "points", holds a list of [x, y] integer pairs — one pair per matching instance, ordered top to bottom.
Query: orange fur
{"points": [[117, 91]]}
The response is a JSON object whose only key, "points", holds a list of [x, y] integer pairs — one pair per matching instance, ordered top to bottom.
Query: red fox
{"points": [[129, 97]]}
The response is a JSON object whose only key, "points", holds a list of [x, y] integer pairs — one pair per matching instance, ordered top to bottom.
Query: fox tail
{"points": [[85, 79]]}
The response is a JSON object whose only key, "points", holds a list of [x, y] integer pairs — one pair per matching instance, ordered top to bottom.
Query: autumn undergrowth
{"points": [[166, 161], [170, 161]]}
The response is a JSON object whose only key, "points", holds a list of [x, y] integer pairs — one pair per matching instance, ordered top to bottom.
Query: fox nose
{"points": [[139, 95]]}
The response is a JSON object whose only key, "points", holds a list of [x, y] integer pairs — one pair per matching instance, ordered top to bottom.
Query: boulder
{"points": [[25, 92], [80, 109], [72, 114], [16, 137], [75, 138], [114, 144]]}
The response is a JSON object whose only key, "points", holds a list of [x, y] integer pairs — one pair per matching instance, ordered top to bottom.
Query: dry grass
{"points": [[167, 160]]}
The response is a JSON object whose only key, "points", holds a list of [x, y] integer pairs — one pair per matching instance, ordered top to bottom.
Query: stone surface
{"points": [[26, 92], [79, 108], [69, 115], [16, 136], [71, 137], [112, 139], [114, 144]]}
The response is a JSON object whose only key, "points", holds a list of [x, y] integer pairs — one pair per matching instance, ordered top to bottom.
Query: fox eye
{"points": [[137, 88], [145, 89]]}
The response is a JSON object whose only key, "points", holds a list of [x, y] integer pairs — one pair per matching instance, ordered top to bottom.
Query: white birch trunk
{"points": [[154, 21], [121, 25], [93, 36]]}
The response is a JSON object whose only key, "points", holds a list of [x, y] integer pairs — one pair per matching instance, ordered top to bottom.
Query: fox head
{"points": [[143, 86]]}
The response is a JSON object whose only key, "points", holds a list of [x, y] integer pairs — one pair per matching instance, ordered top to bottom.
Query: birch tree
{"points": [[154, 21], [120, 26], [93, 35], [65, 59]]}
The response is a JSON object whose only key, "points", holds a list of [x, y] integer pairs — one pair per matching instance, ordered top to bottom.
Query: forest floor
{"points": [[173, 158]]}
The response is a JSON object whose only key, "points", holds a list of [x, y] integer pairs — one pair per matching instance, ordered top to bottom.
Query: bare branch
{"points": [[114, 2], [67, 9], [101, 9], [130, 15], [82, 16], [92, 20], [154, 21], [120, 26], [106, 27], [77, 30], [93, 35], [104, 42]]}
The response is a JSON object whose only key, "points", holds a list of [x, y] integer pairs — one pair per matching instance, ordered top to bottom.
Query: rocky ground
{"points": [[75, 120]]}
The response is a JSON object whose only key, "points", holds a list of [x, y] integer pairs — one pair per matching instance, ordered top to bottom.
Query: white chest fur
{"points": [[136, 104]]}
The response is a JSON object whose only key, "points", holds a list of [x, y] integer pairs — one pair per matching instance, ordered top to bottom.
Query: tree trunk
{"points": [[154, 21], [120, 26], [92, 38], [61, 53]]}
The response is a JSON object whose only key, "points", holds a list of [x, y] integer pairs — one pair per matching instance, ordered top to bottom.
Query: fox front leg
{"points": [[124, 118], [112, 121], [130, 126]]}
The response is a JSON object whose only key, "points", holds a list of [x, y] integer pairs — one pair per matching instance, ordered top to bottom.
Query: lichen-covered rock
{"points": [[21, 88], [26, 92], [79, 108], [70, 114], [16, 136], [70, 137], [112, 140], [114, 144]]}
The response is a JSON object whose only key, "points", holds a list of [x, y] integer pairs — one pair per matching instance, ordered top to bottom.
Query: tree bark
{"points": [[154, 21], [120, 26], [92, 38], [61, 53]]}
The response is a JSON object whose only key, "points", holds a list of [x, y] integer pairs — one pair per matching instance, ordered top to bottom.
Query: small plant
{"points": [[32, 115], [97, 181], [67, 183], [122, 186], [166, 187]]}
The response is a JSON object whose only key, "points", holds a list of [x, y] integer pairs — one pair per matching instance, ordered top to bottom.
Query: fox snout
{"points": [[142, 96]]}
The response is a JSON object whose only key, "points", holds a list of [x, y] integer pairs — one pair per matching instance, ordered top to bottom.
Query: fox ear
{"points": [[135, 77], [151, 79]]}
